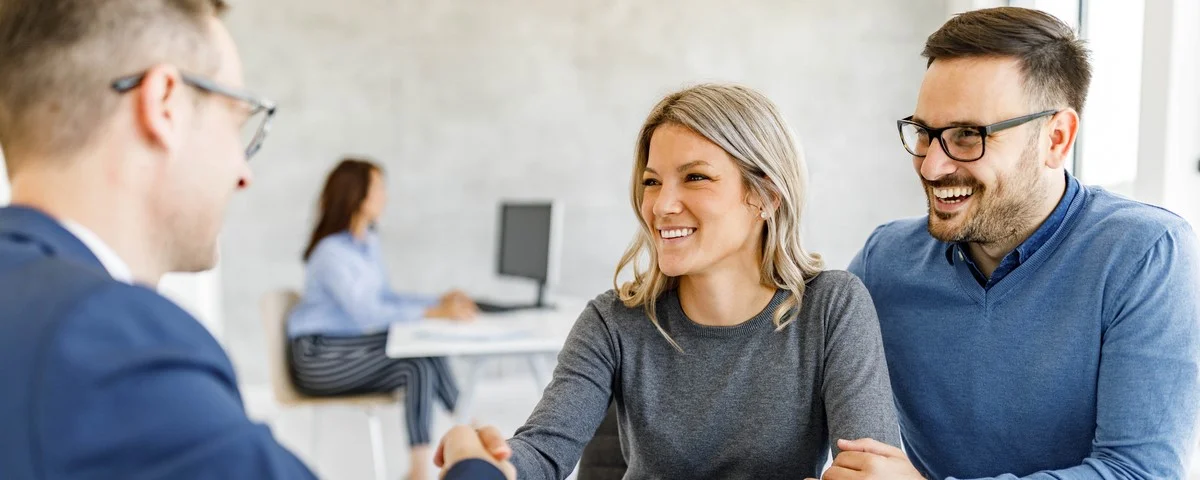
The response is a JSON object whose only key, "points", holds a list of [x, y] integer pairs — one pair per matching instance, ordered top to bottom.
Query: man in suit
{"points": [[126, 133]]}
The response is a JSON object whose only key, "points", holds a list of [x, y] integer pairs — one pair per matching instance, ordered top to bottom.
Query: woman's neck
{"points": [[359, 227], [724, 298]]}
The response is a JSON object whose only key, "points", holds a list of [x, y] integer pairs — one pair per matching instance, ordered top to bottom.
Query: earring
{"points": [[764, 215]]}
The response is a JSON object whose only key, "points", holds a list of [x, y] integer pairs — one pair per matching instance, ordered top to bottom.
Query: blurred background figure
{"points": [[338, 331]]}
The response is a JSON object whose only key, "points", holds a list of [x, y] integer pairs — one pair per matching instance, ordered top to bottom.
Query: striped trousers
{"points": [[327, 366]]}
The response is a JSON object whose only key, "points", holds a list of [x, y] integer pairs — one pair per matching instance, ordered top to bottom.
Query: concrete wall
{"points": [[467, 103]]}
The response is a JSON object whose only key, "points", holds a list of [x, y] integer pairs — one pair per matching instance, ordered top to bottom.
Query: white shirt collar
{"points": [[113, 263]]}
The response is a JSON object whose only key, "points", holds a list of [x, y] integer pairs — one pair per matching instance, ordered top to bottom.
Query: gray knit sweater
{"points": [[739, 402]]}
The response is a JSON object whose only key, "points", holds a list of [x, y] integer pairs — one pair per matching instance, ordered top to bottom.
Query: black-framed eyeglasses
{"points": [[254, 131], [964, 143]]}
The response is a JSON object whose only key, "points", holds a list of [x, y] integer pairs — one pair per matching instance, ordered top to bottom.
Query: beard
{"points": [[998, 213]]}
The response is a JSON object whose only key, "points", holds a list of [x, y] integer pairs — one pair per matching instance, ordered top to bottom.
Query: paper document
{"points": [[475, 331]]}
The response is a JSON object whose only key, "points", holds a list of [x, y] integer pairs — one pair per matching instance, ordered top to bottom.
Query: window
{"points": [[1108, 142], [1107, 148]]}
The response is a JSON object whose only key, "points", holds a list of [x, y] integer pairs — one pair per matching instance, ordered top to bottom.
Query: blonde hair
{"points": [[748, 126]]}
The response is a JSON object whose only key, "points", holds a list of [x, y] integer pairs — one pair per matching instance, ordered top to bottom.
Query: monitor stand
{"points": [[541, 297], [541, 300], [489, 307]]}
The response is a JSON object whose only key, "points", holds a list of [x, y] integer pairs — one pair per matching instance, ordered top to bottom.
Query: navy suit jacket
{"points": [[100, 379]]}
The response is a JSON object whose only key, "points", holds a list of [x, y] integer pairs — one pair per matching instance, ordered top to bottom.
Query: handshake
{"points": [[464, 443]]}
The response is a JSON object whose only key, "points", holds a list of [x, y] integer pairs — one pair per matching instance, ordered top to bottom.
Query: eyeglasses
{"points": [[254, 131], [962, 143]]}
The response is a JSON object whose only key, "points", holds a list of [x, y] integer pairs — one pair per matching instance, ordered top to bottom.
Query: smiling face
{"points": [[997, 196], [696, 206]]}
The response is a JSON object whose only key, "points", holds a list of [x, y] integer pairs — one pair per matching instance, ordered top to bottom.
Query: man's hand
{"points": [[463, 442], [867, 459]]}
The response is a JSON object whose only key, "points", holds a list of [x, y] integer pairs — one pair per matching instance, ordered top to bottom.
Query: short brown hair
{"points": [[58, 58], [1053, 60]]}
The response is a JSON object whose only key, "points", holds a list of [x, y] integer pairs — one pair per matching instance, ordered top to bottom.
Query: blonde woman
{"points": [[732, 354]]}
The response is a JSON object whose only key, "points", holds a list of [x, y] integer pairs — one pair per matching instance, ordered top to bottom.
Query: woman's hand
{"points": [[456, 296], [455, 305]]}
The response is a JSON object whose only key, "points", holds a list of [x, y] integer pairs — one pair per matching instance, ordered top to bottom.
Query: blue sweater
{"points": [[347, 292], [1083, 362]]}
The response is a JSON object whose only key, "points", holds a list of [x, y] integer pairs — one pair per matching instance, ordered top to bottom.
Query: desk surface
{"points": [[525, 331]]}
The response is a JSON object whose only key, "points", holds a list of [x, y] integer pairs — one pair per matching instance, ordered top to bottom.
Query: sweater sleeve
{"points": [[855, 384], [550, 443]]}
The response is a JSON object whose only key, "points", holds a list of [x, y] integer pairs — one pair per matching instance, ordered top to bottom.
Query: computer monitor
{"points": [[529, 241]]}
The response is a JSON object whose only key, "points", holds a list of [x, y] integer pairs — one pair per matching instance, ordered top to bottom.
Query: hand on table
{"points": [[456, 295], [454, 305]]}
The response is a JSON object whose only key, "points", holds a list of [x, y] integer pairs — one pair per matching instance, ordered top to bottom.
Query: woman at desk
{"points": [[338, 331], [731, 354]]}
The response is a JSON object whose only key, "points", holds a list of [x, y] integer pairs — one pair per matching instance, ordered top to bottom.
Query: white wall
{"points": [[958, 6], [200, 295]]}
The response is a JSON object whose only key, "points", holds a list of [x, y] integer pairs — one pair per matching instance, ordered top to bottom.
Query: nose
{"points": [[936, 164], [667, 201]]}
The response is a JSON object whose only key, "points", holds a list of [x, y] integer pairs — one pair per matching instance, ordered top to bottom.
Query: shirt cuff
{"points": [[474, 469]]}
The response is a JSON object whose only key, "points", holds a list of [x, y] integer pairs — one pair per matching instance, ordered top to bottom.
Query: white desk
{"points": [[519, 332], [535, 334]]}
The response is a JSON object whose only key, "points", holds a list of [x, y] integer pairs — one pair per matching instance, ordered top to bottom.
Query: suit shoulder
{"points": [[127, 325]]}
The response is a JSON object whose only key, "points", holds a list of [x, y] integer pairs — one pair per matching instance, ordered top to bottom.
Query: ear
{"points": [[161, 103], [1062, 128], [754, 202], [759, 203]]}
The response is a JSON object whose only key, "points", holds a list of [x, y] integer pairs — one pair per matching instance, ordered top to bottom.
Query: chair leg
{"points": [[537, 365], [466, 394], [314, 435], [377, 453]]}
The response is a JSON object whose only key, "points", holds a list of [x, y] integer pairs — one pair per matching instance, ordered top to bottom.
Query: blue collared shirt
{"points": [[1023, 251], [347, 292]]}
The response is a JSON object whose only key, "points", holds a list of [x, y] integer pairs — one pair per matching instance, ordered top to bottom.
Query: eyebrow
{"points": [[958, 123], [683, 167]]}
